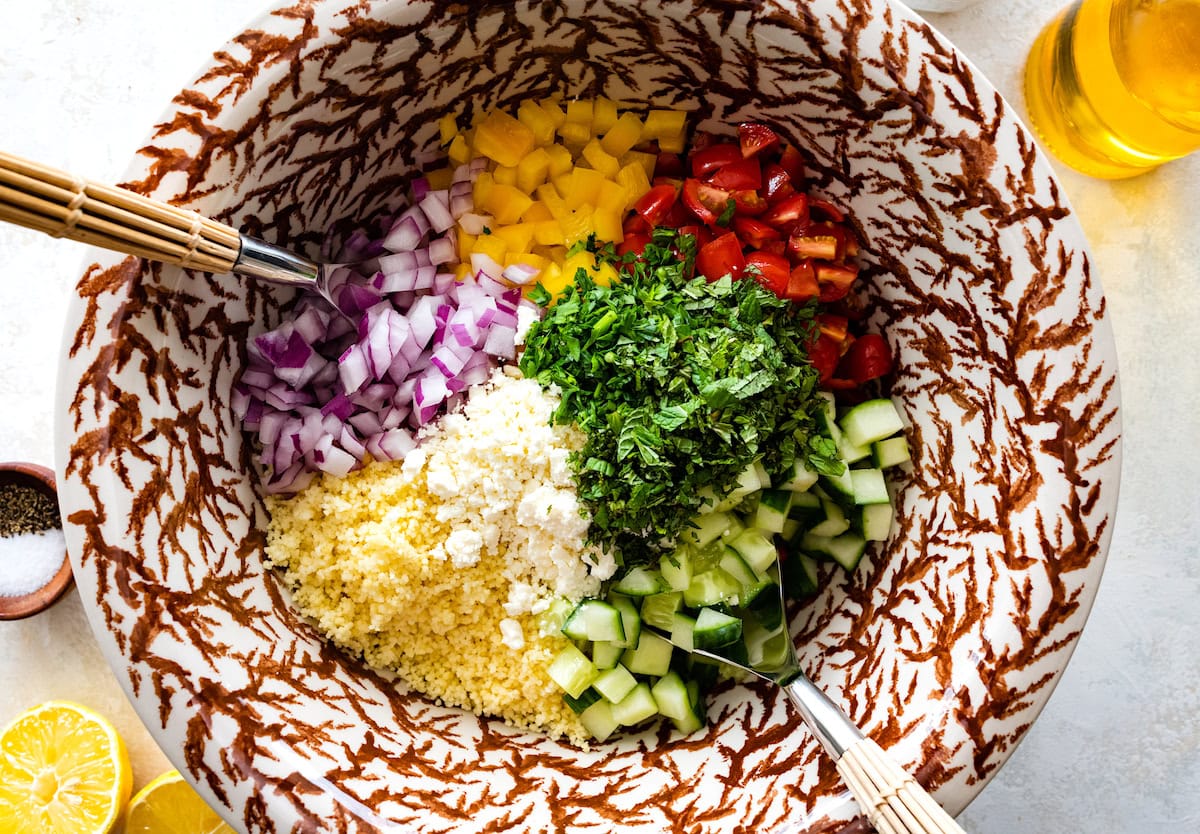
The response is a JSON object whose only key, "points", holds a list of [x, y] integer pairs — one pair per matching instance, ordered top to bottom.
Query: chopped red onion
{"points": [[474, 224]]}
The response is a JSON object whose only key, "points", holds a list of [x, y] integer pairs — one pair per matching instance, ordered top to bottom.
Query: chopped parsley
{"points": [[727, 215], [679, 385]]}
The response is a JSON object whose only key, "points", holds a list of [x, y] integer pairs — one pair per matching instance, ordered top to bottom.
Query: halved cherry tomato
{"points": [[756, 137], [701, 139], [706, 160], [792, 161], [668, 165], [742, 175], [776, 183], [705, 201], [748, 202], [656, 204], [828, 209], [785, 214], [635, 224], [754, 232], [700, 233], [634, 242], [810, 245], [775, 247], [720, 257], [772, 271], [835, 280], [802, 282], [833, 326], [824, 354], [868, 358]]}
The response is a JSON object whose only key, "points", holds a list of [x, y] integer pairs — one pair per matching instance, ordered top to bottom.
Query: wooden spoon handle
{"points": [[63, 205], [894, 802]]}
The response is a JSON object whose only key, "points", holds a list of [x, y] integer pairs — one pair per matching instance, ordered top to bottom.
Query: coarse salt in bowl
{"points": [[943, 646]]}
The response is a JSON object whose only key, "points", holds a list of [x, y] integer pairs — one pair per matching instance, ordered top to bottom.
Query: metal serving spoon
{"points": [[48, 200], [892, 800]]}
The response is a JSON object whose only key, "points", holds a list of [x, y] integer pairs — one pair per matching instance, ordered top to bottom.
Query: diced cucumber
{"points": [[829, 406], [871, 421], [892, 451], [849, 453], [753, 478], [802, 478], [840, 485], [869, 486], [772, 512], [835, 522], [875, 522], [708, 527], [790, 528], [756, 549], [846, 549], [733, 565], [676, 568], [799, 572], [639, 582], [710, 587], [765, 604], [658, 610], [553, 617], [594, 619], [631, 621], [683, 629], [714, 629], [766, 649], [605, 655], [651, 657], [572, 671], [615, 683], [671, 695], [578, 705], [635, 707], [695, 718], [598, 720], [688, 725]]}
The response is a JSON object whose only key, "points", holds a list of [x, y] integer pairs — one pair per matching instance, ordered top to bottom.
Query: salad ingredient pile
{"points": [[573, 401]]}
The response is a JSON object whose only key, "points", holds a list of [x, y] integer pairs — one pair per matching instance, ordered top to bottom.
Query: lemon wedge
{"points": [[63, 770], [169, 805]]}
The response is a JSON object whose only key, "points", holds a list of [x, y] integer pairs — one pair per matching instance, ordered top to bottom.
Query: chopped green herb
{"points": [[727, 215], [487, 230], [679, 384]]}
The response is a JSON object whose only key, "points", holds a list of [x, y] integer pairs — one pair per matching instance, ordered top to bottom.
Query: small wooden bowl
{"points": [[40, 478]]}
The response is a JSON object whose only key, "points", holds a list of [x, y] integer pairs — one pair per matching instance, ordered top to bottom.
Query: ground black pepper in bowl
{"points": [[24, 509], [34, 571]]}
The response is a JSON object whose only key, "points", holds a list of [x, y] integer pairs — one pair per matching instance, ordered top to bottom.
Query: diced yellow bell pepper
{"points": [[554, 111], [579, 112], [604, 116], [537, 120], [664, 124], [447, 128], [574, 135], [623, 135], [502, 138], [459, 151], [560, 160], [601, 160], [647, 160], [533, 169], [505, 174], [440, 178], [633, 178], [581, 186], [482, 189], [548, 194], [613, 197], [506, 203], [536, 213], [607, 224], [577, 226], [548, 233], [517, 237], [466, 243], [492, 246], [554, 254], [526, 258], [462, 270], [605, 275], [553, 280]]}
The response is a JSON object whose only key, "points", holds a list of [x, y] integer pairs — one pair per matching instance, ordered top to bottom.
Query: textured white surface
{"points": [[1117, 749]]}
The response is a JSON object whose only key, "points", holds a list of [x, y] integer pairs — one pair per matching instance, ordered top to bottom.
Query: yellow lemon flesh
{"points": [[63, 770], [168, 805]]}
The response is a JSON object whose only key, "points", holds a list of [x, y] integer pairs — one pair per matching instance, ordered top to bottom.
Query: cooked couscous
{"points": [[442, 568]]}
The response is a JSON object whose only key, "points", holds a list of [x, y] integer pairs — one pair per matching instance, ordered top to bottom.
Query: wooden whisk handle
{"points": [[63, 205], [894, 802]]}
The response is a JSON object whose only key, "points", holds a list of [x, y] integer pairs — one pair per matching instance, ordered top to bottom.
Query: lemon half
{"points": [[63, 770], [169, 805]]}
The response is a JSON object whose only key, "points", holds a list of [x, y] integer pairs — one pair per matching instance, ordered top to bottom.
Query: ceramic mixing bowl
{"points": [[945, 644]]}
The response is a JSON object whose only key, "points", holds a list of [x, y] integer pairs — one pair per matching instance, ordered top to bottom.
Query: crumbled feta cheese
{"points": [[464, 546], [511, 634]]}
